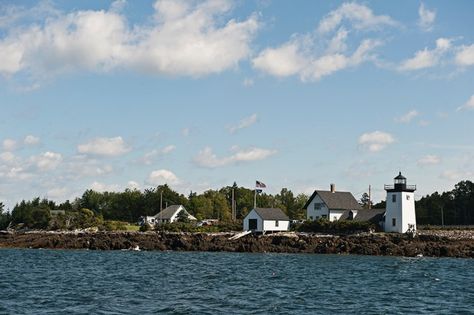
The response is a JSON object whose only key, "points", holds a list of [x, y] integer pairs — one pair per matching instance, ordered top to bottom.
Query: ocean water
{"points": [[101, 282]]}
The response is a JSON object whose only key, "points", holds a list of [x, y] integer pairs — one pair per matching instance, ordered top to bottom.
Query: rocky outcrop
{"points": [[362, 244]]}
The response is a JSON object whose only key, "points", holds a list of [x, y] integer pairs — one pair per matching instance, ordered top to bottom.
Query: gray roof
{"points": [[339, 200], [167, 213], [271, 214], [372, 215]]}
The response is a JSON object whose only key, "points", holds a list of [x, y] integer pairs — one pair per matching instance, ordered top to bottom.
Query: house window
{"points": [[394, 198], [318, 206], [324, 216], [311, 217], [394, 222], [277, 223]]}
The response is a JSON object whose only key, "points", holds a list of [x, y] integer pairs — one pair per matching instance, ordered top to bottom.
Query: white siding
{"points": [[402, 210], [313, 214], [253, 215], [335, 215], [269, 225]]}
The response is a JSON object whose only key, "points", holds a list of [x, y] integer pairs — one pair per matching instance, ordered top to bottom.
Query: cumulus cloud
{"points": [[358, 15], [426, 18], [184, 38], [321, 53], [465, 56], [427, 58], [469, 105], [408, 117], [244, 123], [31, 140], [375, 141], [9, 144], [104, 146], [151, 156], [207, 159], [429, 160], [47, 161], [81, 166], [161, 177], [133, 185], [101, 187]]}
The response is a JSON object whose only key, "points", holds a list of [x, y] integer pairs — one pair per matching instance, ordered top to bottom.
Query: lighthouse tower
{"points": [[400, 206]]}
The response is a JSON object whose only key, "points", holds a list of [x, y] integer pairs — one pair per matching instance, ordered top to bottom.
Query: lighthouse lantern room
{"points": [[400, 206]]}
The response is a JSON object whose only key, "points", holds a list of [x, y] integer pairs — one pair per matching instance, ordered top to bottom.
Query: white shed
{"points": [[266, 220]]}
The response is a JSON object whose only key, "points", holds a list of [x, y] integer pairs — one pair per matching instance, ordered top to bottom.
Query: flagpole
{"points": [[255, 199]]}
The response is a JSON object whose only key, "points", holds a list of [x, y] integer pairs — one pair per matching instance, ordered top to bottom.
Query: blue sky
{"points": [[199, 94]]}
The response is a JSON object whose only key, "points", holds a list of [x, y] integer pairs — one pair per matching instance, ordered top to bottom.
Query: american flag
{"points": [[259, 184]]}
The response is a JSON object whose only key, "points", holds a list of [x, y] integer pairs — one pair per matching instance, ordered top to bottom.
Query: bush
{"points": [[114, 226], [342, 226], [145, 227]]}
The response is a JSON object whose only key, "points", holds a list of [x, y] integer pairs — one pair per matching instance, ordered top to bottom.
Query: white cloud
{"points": [[360, 17], [426, 18], [184, 38], [315, 55], [465, 56], [427, 58], [282, 61], [469, 105], [408, 117], [244, 123], [31, 140], [375, 141], [9, 144], [104, 146], [7, 157], [149, 157], [207, 159], [429, 160], [47, 161], [81, 166], [454, 175], [161, 177], [133, 185], [101, 187], [60, 193]]}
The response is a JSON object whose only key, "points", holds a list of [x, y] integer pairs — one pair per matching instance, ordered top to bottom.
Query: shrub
{"points": [[114, 226], [342, 226]]}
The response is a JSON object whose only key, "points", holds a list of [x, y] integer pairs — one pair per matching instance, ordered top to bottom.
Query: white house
{"points": [[332, 205], [400, 206], [168, 215], [266, 220]]}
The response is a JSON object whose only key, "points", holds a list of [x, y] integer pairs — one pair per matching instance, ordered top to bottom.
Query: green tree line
{"points": [[130, 205]]}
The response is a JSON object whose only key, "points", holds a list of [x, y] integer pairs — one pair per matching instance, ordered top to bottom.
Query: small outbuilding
{"points": [[169, 215], [266, 220]]}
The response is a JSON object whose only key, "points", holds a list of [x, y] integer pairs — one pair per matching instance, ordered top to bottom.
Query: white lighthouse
{"points": [[400, 206]]}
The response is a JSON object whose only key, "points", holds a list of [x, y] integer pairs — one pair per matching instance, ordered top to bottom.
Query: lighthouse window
{"points": [[408, 197], [394, 198], [394, 222]]}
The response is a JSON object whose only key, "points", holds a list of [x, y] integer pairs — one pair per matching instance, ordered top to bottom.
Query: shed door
{"points": [[252, 224]]}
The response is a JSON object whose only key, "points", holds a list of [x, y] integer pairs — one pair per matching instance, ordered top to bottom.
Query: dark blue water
{"points": [[86, 282]]}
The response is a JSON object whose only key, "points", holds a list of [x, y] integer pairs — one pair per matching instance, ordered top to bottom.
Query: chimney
{"points": [[333, 188]]}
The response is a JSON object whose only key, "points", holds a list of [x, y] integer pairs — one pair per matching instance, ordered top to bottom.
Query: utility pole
{"points": [[370, 197], [161, 200], [233, 205], [442, 215]]}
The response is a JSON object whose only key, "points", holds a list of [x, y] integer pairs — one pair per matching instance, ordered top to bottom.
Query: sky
{"points": [[109, 95]]}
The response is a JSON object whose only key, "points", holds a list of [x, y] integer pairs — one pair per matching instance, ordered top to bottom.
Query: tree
{"points": [[365, 201], [182, 217]]}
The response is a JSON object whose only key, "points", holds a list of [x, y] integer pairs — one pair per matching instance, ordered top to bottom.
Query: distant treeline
{"points": [[129, 205], [457, 206]]}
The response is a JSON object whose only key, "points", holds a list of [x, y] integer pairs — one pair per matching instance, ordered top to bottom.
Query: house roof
{"points": [[339, 200], [168, 213], [271, 214], [372, 215]]}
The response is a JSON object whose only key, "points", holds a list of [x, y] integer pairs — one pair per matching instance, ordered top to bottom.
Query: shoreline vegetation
{"points": [[427, 243]]}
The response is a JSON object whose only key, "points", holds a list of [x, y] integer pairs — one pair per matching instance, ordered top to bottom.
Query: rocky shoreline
{"points": [[431, 244]]}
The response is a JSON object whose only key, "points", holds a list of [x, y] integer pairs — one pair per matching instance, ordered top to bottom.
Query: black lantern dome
{"points": [[400, 184]]}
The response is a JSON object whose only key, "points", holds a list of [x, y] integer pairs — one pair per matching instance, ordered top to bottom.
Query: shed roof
{"points": [[339, 200], [271, 214], [372, 215]]}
